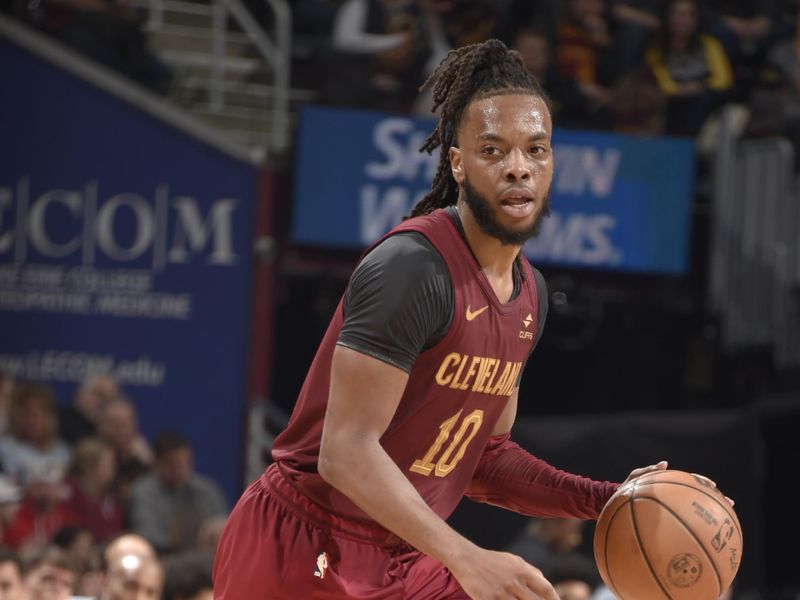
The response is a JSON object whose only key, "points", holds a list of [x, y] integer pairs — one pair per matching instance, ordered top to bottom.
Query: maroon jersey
{"points": [[455, 393]]}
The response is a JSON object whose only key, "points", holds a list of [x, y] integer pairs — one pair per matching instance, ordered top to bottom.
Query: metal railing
{"points": [[273, 47], [755, 251]]}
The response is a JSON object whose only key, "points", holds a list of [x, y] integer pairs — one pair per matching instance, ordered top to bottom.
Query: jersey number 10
{"points": [[455, 450]]}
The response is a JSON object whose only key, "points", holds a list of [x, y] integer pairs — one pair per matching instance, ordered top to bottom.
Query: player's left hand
{"points": [[659, 466], [714, 485]]}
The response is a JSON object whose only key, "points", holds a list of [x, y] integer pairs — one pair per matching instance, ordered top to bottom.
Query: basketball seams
{"points": [[726, 509], [692, 533], [627, 541], [641, 546], [605, 548]]}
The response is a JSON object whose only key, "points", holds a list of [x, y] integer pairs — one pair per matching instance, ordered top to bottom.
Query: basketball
{"points": [[668, 535]]}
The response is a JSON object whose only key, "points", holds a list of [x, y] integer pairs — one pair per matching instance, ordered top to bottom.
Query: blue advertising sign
{"points": [[618, 202], [124, 247]]}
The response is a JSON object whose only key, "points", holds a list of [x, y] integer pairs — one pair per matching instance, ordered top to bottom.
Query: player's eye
{"points": [[490, 150]]}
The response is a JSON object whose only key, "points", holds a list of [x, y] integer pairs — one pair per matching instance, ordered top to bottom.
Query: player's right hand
{"points": [[489, 575]]}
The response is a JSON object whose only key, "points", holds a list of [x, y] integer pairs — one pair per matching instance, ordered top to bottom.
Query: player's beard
{"points": [[484, 216]]}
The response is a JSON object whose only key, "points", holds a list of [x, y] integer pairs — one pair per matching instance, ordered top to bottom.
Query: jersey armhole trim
{"points": [[376, 355]]}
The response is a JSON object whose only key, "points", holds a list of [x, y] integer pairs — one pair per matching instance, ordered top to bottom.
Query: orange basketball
{"points": [[668, 535]]}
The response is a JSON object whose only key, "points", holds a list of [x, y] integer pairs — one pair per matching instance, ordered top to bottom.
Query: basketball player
{"points": [[410, 400]]}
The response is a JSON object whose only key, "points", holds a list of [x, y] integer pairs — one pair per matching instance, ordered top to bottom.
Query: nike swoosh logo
{"points": [[471, 315]]}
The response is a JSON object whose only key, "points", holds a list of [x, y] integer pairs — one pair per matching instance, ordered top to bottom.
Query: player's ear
{"points": [[456, 166]]}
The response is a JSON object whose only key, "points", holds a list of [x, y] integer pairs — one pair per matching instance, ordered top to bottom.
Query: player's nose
{"points": [[517, 167]]}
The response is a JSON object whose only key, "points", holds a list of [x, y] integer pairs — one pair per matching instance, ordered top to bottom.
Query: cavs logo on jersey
{"points": [[322, 565]]}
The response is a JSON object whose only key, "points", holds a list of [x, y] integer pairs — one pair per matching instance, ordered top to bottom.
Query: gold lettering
{"points": [[476, 360], [491, 373], [442, 378], [480, 378], [512, 379], [456, 384], [501, 384], [474, 420], [425, 465]]}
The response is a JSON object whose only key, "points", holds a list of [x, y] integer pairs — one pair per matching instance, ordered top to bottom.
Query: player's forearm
{"points": [[358, 468], [512, 478]]}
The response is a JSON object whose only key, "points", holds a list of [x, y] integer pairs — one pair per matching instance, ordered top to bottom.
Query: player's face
{"points": [[504, 164]]}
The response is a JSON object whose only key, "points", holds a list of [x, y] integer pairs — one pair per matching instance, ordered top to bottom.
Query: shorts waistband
{"points": [[293, 499]]}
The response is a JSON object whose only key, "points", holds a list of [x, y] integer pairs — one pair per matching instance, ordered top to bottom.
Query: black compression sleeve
{"points": [[399, 301]]}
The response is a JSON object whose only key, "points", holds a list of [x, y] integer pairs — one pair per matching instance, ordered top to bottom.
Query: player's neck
{"points": [[495, 258]]}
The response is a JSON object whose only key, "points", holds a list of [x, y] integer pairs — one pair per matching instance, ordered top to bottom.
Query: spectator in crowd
{"points": [[544, 15], [464, 22], [633, 24], [747, 29], [582, 41], [380, 48], [691, 68], [574, 104], [639, 106], [6, 395], [79, 419], [119, 427], [33, 442], [91, 495], [10, 497], [170, 504], [42, 513], [210, 532], [545, 538], [78, 542], [127, 543], [50, 574], [93, 576], [132, 576], [573, 576], [188, 577], [12, 586]]}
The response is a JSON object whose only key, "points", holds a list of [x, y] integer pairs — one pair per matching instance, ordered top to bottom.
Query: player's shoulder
{"points": [[407, 253]]}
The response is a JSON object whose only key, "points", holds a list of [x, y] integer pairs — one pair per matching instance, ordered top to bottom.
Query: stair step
{"points": [[201, 33], [162, 40], [201, 62], [244, 93]]}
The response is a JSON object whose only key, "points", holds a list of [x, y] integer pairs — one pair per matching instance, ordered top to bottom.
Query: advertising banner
{"points": [[618, 202], [124, 248]]}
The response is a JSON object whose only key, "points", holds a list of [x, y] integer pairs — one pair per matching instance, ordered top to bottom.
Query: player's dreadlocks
{"points": [[471, 72]]}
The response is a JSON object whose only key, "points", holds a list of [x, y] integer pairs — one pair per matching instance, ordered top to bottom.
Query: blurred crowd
{"points": [[648, 67], [651, 67], [90, 508]]}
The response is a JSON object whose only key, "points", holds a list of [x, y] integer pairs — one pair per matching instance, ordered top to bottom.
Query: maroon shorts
{"points": [[278, 544]]}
